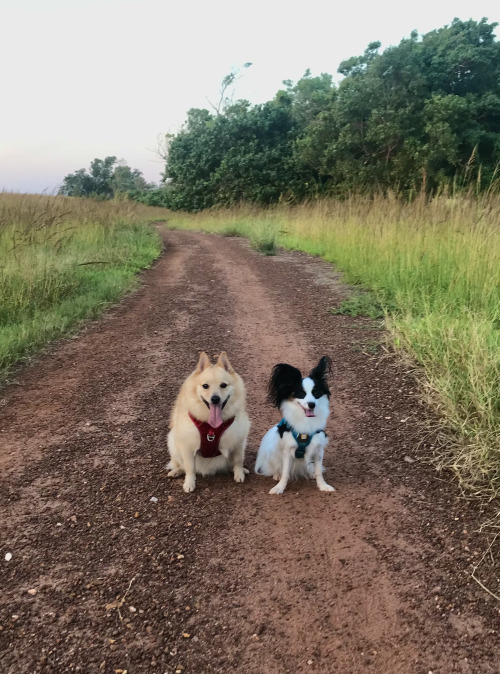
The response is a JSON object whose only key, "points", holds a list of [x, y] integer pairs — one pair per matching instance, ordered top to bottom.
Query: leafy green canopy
{"points": [[420, 114], [105, 179]]}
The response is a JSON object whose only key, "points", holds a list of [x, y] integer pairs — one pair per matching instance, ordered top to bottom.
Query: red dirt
{"points": [[372, 578]]}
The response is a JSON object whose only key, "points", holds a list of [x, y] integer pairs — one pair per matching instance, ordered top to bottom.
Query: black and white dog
{"points": [[294, 448]]}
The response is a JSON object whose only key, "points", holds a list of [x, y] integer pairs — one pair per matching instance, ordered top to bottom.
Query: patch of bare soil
{"points": [[372, 578]]}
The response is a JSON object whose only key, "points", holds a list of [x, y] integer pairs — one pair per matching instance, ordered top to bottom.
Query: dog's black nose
{"points": [[215, 399], [311, 405]]}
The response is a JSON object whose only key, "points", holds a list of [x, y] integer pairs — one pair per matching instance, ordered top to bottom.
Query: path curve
{"points": [[372, 578]]}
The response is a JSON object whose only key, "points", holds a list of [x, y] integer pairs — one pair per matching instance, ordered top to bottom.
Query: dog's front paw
{"points": [[175, 472], [239, 474], [189, 484], [325, 487], [278, 489]]}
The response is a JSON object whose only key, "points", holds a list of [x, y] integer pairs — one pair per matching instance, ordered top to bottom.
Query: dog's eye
{"points": [[205, 385], [223, 385], [317, 393], [300, 394]]}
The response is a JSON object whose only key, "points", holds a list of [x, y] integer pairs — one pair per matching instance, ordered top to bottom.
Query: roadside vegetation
{"points": [[423, 115], [63, 260], [433, 267]]}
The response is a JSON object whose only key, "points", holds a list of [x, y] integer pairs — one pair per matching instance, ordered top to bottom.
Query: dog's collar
{"points": [[210, 436], [303, 440]]}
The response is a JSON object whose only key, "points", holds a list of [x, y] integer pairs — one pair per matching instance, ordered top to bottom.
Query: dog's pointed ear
{"points": [[203, 362], [224, 363], [322, 369]]}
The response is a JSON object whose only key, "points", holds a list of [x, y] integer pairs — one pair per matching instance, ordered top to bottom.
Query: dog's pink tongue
{"points": [[310, 413], [215, 418]]}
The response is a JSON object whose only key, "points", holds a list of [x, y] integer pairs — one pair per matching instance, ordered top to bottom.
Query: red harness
{"points": [[210, 437]]}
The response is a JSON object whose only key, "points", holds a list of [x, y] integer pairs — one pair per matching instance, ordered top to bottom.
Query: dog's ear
{"points": [[203, 362], [224, 362], [322, 369], [284, 379]]}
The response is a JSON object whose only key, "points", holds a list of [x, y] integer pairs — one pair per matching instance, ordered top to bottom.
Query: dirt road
{"points": [[372, 578]]}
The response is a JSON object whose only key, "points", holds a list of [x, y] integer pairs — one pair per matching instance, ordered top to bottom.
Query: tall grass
{"points": [[62, 260], [435, 267]]}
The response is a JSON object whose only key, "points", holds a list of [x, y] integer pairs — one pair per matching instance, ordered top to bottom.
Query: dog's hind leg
{"points": [[174, 466], [176, 469], [285, 471]]}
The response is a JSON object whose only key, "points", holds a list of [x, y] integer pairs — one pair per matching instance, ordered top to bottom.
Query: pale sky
{"points": [[81, 79]]}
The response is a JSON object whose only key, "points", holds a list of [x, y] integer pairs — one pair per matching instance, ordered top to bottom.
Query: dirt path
{"points": [[372, 578]]}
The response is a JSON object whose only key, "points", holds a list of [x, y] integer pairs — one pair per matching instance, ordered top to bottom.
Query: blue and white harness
{"points": [[303, 440]]}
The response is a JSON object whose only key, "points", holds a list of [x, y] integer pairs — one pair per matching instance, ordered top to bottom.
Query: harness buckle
{"points": [[210, 436]]}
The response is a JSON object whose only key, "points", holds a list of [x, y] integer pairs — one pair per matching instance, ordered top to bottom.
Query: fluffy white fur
{"points": [[184, 437], [276, 456]]}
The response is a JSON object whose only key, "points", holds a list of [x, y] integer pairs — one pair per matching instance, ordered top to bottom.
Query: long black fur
{"points": [[286, 381]]}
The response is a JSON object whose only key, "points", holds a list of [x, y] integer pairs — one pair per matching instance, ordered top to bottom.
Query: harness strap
{"points": [[210, 437], [303, 440]]}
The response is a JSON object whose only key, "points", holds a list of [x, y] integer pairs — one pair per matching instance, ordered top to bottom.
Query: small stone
{"points": [[408, 459], [153, 499], [136, 515], [73, 518], [59, 524], [8, 556], [180, 556], [32, 592], [132, 609], [186, 635], [309, 662]]}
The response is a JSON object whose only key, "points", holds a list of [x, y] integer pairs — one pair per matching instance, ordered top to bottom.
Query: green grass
{"points": [[65, 260], [434, 269], [360, 304]]}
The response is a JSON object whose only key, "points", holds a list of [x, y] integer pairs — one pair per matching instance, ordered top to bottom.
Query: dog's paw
{"points": [[246, 471], [175, 472], [239, 474], [277, 477], [189, 484], [325, 487], [278, 489]]}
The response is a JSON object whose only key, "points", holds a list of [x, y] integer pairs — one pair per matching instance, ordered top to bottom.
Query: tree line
{"points": [[423, 114], [106, 178]]}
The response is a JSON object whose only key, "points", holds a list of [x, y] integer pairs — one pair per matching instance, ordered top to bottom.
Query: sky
{"points": [[92, 78]]}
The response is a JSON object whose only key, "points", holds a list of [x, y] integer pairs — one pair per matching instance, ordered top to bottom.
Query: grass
{"points": [[63, 260], [433, 268], [360, 304]]}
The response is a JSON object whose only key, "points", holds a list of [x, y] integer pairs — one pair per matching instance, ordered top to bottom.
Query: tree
{"points": [[421, 112], [104, 180]]}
